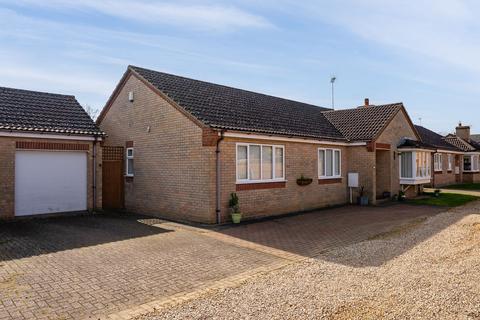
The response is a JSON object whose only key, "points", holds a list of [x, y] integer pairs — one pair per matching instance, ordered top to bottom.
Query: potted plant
{"points": [[302, 181], [401, 195], [362, 198], [234, 208]]}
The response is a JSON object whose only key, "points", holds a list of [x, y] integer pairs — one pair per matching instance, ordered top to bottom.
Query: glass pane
{"points": [[129, 152], [254, 162], [321, 162], [279, 163], [329, 163], [337, 163], [467, 163], [267, 165], [406, 165], [129, 166], [242, 173]]}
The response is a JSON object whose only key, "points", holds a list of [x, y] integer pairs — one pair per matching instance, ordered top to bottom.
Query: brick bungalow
{"points": [[189, 144], [49, 149], [471, 153], [447, 159]]}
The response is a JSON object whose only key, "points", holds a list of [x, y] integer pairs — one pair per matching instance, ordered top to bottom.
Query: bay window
{"points": [[437, 161], [259, 163], [329, 163], [470, 163], [415, 167]]}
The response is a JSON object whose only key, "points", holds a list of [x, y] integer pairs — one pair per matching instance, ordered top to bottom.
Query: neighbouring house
{"points": [[475, 137], [188, 144], [471, 153], [50, 155], [447, 159]]}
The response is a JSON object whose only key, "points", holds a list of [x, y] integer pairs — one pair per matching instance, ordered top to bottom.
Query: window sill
{"points": [[470, 171], [329, 180], [415, 181], [244, 186]]}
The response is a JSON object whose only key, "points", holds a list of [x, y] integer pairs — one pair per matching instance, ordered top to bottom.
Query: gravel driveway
{"points": [[435, 278]]}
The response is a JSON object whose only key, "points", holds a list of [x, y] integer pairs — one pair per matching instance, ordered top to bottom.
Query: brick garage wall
{"points": [[398, 128], [300, 158], [7, 170], [174, 173], [444, 177]]}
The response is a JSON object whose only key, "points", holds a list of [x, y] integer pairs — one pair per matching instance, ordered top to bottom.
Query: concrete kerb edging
{"points": [[208, 289]]}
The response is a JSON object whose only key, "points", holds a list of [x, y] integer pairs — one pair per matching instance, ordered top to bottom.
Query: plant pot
{"points": [[304, 182], [363, 201], [236, 217]]}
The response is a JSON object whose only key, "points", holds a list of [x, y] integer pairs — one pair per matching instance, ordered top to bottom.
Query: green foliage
{"points": [[464, 186], [445, 200], [233, 203]]}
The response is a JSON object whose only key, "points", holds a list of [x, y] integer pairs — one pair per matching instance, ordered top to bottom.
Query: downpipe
{"points": [[218, 179]]}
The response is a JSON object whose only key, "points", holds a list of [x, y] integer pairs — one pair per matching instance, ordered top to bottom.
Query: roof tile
{"points": [[32, 111]]}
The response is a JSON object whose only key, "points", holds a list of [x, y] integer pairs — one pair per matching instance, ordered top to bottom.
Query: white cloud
{"points": [[207, 17], [443, 30], [29, 77]]}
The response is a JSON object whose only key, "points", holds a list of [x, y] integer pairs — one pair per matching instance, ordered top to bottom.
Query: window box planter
{"points": [[304, 181]]}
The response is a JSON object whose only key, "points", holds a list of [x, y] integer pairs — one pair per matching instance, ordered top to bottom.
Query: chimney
{"points": [[367, 102], [463, 132]]}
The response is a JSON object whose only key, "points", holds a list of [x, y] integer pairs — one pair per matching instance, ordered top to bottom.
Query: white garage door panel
{"points": [[48, 182]]}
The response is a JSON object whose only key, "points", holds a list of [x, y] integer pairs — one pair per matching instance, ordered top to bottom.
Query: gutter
{"points": [[217, 178]]}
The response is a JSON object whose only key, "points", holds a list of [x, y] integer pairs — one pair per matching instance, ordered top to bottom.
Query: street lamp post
{"points": [[332, 81]]}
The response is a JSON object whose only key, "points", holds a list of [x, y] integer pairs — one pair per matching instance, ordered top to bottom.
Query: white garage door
{"points": [[49, 182]]}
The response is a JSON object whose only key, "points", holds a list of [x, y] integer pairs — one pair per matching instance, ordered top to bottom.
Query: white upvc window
{"points": [[438, 161], [129, 162], [450, 162], [260, 163], [329, 163], [470, 163], [415, 167]]}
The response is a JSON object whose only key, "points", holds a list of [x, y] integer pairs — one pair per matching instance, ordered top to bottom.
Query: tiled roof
{"points": [[229, 108], [31, 111], [363, 123], [434, 139], [460, 143], [415, 144], [475, 144]]}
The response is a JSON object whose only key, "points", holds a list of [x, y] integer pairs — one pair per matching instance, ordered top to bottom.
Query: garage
{"points": [[50, 182]]}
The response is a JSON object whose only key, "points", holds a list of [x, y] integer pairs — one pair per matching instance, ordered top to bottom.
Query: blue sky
{"points": [[423, 53]]}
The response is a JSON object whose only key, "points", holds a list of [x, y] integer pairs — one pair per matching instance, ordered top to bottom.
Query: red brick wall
{"points": [[300, 158]]}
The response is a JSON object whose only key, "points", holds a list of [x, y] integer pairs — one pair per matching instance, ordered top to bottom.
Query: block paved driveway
{"points": [[92, 266]]}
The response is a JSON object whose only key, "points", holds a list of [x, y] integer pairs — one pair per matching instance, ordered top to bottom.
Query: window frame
{"points": [[129, 157], [450, 162], [474, 162], [334, 163], [438, 165], [417, 179], [261, 180]]}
